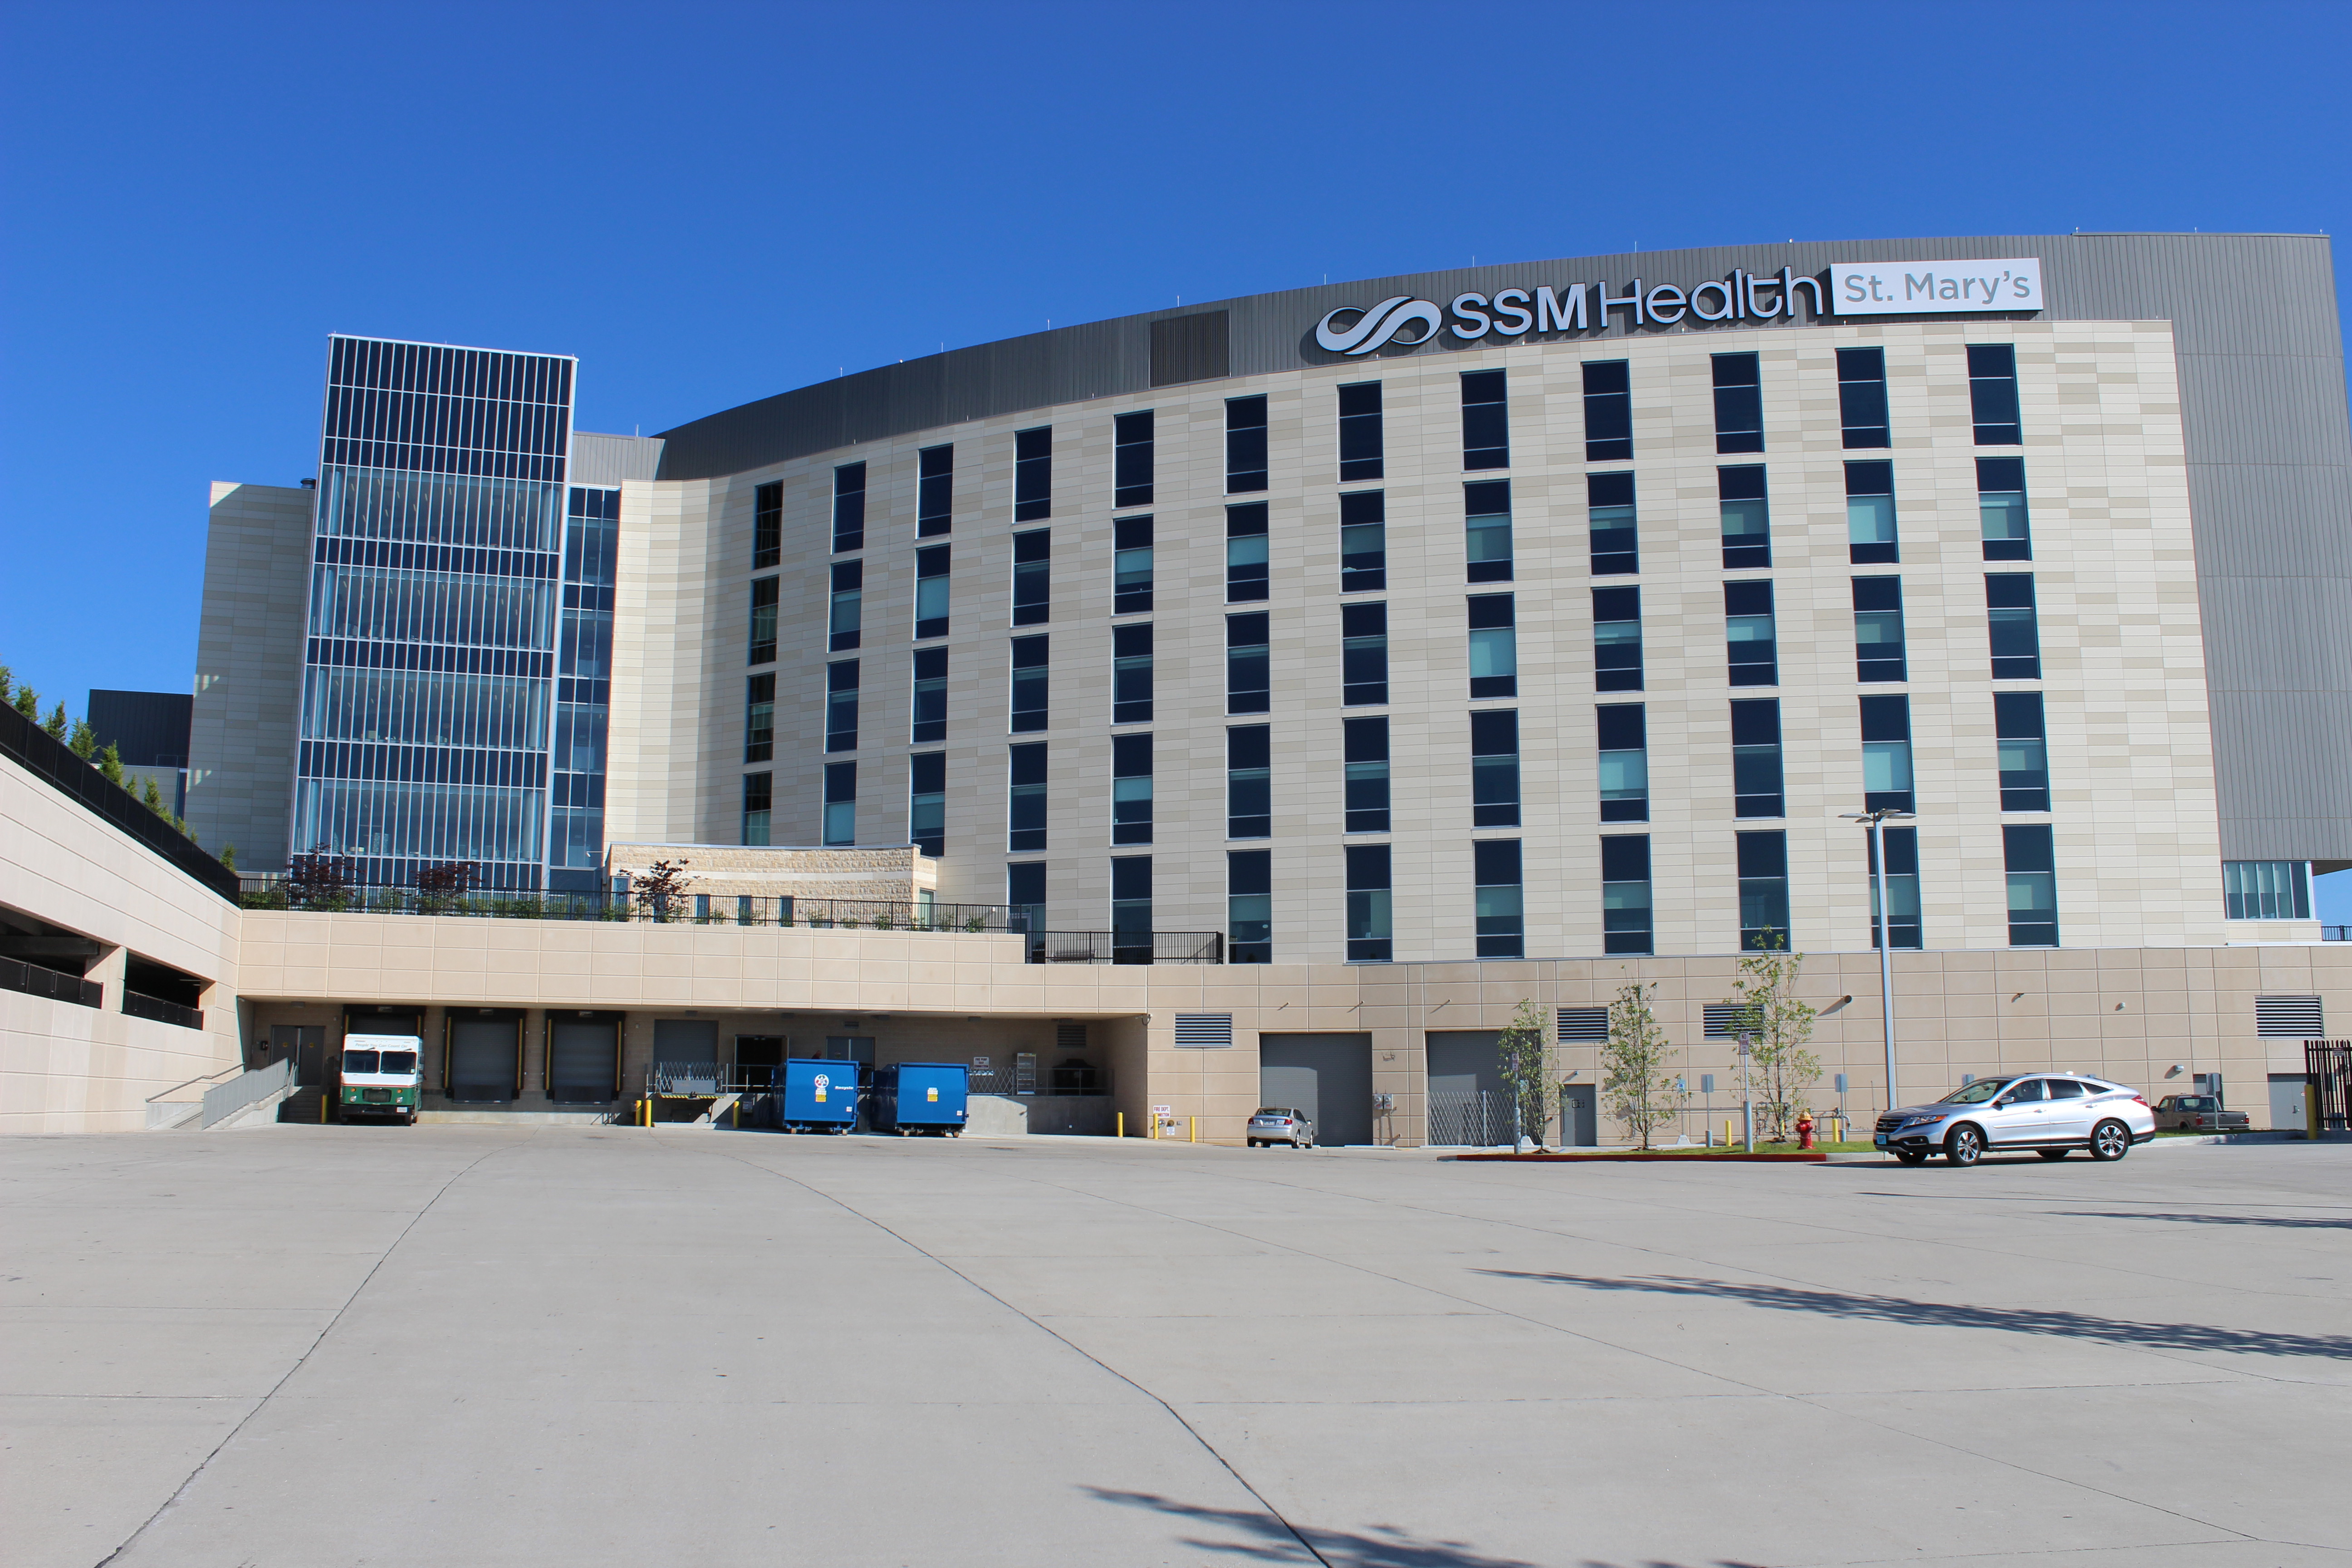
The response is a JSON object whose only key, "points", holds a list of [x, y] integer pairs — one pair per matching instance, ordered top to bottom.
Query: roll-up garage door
{"points": [[483, 1054], [583, 1057], [1329, 1077]]}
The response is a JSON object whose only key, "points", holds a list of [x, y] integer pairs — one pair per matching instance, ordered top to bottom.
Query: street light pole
{"points": [[1875, 821]]}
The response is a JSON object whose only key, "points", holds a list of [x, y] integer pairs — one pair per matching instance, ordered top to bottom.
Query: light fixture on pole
{"points": [[1875, 821]]}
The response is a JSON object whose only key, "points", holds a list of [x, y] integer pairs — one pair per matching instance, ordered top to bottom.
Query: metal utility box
{"points": [[817, 1097], [921, 1097]]}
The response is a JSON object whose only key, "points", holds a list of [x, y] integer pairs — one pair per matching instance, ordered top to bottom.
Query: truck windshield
{"points": [[399, 1061], [359, 1062], [1975, 1093]]}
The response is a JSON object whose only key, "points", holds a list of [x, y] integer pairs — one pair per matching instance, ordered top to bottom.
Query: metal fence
{"points": [[277, 891], [2336, 934], [1124, 947], [35, 981], [161, 1012], [2328, 1065], [685, 1079], [1470, 1119]]}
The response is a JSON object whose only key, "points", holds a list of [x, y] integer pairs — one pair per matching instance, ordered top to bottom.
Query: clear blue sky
{"points": [[711, 203]]}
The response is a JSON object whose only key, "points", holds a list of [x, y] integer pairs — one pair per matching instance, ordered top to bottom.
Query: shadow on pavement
{"points": [[2288, 1222], [1947, 1315]]}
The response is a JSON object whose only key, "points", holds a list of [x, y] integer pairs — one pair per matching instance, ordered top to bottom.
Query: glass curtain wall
{"points": [[583, 691]]}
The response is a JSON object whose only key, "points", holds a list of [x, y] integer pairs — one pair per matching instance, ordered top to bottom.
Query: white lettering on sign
{"points": [[1934, 287]]}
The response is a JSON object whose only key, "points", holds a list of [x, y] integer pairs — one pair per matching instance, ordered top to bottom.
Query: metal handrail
{"points": [[275, 890], [1124, 947], [156, 1009], [222, 1075], [227, 1100]]}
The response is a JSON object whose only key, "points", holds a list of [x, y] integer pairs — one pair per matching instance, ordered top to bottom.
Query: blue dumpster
{"points": [[817, 1097], [921, 1097]]}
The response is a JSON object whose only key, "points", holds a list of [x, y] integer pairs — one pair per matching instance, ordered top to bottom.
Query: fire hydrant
{"points": [[1804, 1130]]}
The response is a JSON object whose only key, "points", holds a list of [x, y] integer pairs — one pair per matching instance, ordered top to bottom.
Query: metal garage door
{"points": [[483, 1056], [686, 1056], [583, 1058], [1329, 1077], [1467, 1103]]}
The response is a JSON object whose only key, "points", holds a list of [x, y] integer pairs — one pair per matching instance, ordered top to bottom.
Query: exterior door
{"points": [[306, 1045], [858, 1049], [483, 1057], [757, 1057], [583, 1059], [1329, 1077], [2287, 1100], [1468, 1105], [1580, 1116]]}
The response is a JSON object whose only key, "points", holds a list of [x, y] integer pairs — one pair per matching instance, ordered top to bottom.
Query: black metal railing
{"points": [[53, 761], [276, 891], [2336, 934], [1127, 947], [35, 981], [161, 1011], [2328, 1067]]}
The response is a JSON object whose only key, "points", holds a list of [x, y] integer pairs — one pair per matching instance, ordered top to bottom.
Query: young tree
{"points": [[7, 685], [28, 703], [58, 724], [83, 740], [109, 763], [153, 799], [228, 856], [319, 880], [442, 884], [663, 887], [1527, 1068], [1781, 1069], [1641, 1092]]}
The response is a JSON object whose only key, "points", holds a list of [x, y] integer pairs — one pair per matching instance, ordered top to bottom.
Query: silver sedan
{"points": [[2053, 1114], [1271, 1124]]}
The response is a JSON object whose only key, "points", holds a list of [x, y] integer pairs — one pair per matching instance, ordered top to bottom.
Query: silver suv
{"points": [[2050, 1113], [1271, 1124]]}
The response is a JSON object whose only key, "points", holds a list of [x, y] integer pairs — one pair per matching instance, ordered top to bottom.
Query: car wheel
{"points": [[2110, 1140], [1964, 1145], [2051, 1153], [1911, 1157]]}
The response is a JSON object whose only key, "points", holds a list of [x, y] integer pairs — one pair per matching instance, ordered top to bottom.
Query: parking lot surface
{"points": [[300, 1347]]}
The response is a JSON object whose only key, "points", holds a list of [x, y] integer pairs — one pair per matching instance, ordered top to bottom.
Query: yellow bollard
{"points": [[322, 1108], [2310, 1112], [1122, 1124], [1726, 1131], [1196, 1138]]}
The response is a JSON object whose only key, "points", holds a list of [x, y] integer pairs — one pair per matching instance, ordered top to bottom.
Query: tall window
{"points": [[1993, 394], [1862, 397], [1738, 404], [1608, 412], [1485, 420], [1245, 444], [1361, 448], [1132, 460], [1033, 474], [934, 491], [2001, 504], [849, 506], [1487, 508], [1870, 513], [1746, 519], [767, 525], [1616, 538], [1363, 541], [1245, 552], [931, 566], [1130, 566], [1033, 577], [846, 611], [763, 619], [2014, 630], [1749, 631], [1617, 640], [1494, 646], [1879, 648], [1363, 654], [1131, 681], [1248, 687], [1030, 689], [841, 705], [759, 719], [929, 719], [1622, 735], [2023, 747], [1886, 755], [1366, 759], [1495, 768], [1757, 774], [1249, 782], [1131, 789], [757, 798], [1025, 799], [926, 802], [840, 803], [2031, 861], [2264, 890], [1764, 891], [1025, 893], [1501, 900], [1249, 906], [1130, 909], [1626, 920], [1903, 928], [1370, 929]]}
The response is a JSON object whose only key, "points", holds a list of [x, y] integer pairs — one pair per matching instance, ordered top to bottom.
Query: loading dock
{"points": [[481, 1055], [584, 1058], [1329, 1077]]}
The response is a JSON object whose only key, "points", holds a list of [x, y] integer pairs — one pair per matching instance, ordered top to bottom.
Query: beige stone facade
{"points": [[248, 683], [886, 874]]}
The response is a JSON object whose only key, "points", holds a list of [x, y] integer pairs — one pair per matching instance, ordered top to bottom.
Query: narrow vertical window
{"points": [[1993, 395], [1862, 397], [1738, 404], [1608, 412], [1485, 420], [1245, 444], [1361, 448], [1132, 460], [1033, 474], [934, 491], [2000, 505], [848, 508], [1870, 514], [1746, 519], [767, 525], [1486, 527], [1616, 537], [1363, 541], [1245, 552], [931, 566], [1130, 566], [1033, 577], [846, 610], [763, 620], [2015, 632], [1750, 635], [1617, 640], [1494, 646], [1880, 651], [1363, 654], [1247, 668], [1130, 679], [1029, 684], [841, 705], [929, 717], [759, 719], [1621, 737], [2022, 745], [1886, 755], [1365, 756], [1495, 768], [1757, 774], [1249, 782], [1131, 789], [757, 798], [926, 802], [840, 803], [1024, 804], [2032, 862], [1763, 892], [1024, 895], [1501, 900], [1249, 906], [1130, 910], [1902, 917], [1626, 924], [1370, 929]]}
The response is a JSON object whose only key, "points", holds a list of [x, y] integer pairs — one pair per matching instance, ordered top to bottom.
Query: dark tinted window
{"points": [[1993, 395], [1862, 397], [1738, 404], [1608, 412], [1485, 420], [1245, 444], [1361, 446], [1132, 460], [1033, 474]]}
